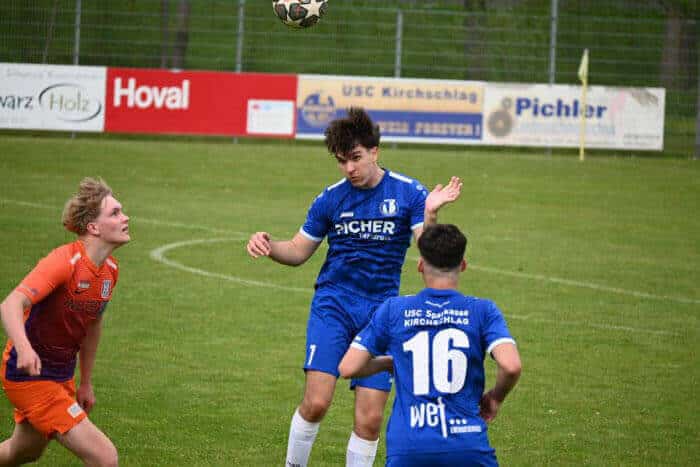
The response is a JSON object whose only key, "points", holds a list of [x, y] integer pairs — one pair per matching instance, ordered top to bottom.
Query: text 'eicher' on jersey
{"points": [[373, 229]]}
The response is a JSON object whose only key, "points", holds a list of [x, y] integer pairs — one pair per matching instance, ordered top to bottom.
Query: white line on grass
{"points": [[144, 220], [159, 255], [522, 275], [585, 285], [607, 327]]}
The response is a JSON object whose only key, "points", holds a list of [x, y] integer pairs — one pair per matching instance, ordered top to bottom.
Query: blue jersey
{"points": [[368, 230], [438, 339]]}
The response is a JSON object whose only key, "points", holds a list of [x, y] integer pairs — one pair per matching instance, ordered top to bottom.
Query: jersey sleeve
{"points": [[418, 205], [317, 222], [49, 273], [495, 330], [375, 336]]}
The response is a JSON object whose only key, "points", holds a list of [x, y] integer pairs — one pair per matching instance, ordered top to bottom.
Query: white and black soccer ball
{"points": [[300, 13]]}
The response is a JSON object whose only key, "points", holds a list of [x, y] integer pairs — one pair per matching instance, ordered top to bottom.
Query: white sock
{"points": [[301, 439], [361, 453]]}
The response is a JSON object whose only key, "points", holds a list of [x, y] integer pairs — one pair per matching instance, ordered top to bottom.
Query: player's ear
{"points": [[374, 153], [92, 228], [421, 266], [463, 266]]}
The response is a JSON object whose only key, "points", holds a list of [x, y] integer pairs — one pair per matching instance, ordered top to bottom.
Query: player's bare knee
{"points": [[314, 408], [315, 411], [368, 424], [368, 433], [24, 454], [103, 456], [26, 457], [108, 457]]}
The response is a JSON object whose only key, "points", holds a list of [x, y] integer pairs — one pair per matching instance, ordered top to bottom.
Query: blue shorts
{"points": [[336, 316], [444, 459]]}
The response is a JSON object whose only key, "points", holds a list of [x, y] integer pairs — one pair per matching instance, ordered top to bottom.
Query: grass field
{"points": [[595, 264]]}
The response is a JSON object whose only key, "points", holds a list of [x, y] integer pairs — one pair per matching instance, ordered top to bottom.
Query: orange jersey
{"points": [[68, 293]]}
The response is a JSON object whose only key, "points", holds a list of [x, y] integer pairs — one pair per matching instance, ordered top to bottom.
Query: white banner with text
{"points": [[52, 97], [550, 115]]}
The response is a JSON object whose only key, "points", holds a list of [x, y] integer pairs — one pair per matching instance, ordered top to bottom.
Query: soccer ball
{"points": [[300, 13]]}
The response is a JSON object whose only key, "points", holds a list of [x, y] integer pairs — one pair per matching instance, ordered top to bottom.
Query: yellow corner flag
{"points": [[583, 68], [583, 76]]}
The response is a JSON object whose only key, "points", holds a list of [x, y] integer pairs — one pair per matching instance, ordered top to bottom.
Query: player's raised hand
{"points": [[442, 195], [259, 244], [29, 362], [489, 405]]}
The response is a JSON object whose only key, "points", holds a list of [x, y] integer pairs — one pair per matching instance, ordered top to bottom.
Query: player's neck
{"points": [[376, 178], [96, 250], [441, 283]]}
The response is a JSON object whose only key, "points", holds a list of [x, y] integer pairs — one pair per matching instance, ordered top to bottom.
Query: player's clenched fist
{"points": [[259, 244], [29, 362], [489, 405]]}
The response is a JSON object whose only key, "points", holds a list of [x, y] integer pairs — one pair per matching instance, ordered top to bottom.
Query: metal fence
{"points": [[632, 43]]}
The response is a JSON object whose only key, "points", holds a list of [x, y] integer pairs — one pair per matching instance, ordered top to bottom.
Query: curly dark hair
{"points": [[343, 134]]}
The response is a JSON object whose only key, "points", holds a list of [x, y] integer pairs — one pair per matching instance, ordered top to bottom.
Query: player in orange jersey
{"points": [[53, 316]]}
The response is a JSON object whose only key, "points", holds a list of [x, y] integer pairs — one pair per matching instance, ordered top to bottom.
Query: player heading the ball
{"points": [[368, 218]]}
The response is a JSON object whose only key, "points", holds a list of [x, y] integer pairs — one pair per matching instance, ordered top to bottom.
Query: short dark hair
{"points": [[343, 134], [442, 246]]}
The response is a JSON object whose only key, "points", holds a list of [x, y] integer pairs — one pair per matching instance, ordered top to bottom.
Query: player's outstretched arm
{"points": [[440, 196], [292, 252], [12, 313], [358, 363], [509, 369]]}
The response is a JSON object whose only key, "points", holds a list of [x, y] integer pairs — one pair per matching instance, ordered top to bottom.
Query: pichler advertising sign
{"points": [[550, 115]]}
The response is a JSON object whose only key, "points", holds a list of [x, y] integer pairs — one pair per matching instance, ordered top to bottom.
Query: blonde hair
{"points": [[84, 206]]}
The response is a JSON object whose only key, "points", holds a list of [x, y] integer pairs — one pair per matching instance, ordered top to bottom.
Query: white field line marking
{"points": [[26, 203], [135, 219], [159, 255], [521, 275], [585, 285], [607, 327]]}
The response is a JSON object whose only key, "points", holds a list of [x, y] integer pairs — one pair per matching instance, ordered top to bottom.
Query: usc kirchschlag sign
{"points": [[200, 103]]}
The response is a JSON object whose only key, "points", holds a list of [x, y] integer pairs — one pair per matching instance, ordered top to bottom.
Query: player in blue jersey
{"points": [[368, 217], [435, 343]]}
